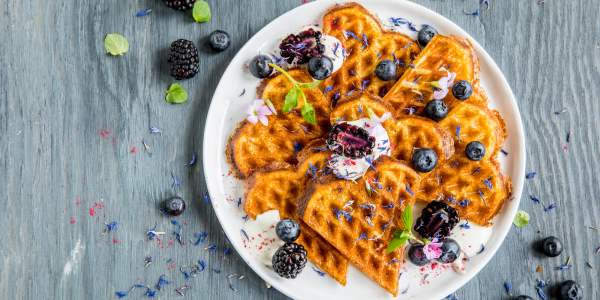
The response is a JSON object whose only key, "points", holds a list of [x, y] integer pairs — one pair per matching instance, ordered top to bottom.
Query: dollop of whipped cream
{"points": [[332, 49], [353, 168], [260, 238]]}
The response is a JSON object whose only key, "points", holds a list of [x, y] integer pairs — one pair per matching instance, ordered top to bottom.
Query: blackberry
{"points": [[180, 4], [300, 48], [183, 59], [350, 140], [437, 220], [289, 260]]}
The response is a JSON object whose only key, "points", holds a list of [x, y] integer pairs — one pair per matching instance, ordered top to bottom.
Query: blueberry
{"points": [[425, 35], [219, 40], [259, 66], [320, 67], [386, 70], [462, 90], [436, 109], [475, 150], [424, 159], [173, 206], [287, 230], [551, 246], [450, 251], [416, 255], [570, 290], [523, 297]]}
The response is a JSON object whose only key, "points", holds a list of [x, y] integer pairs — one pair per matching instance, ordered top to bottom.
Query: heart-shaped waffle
{"points": [[366, 44], [442, 54], [469, 122], [406, 133], [256, 146], [280, 189], [477, 189], [359, 221]]}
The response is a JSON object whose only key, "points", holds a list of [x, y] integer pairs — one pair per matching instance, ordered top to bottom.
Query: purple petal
{"points": [[440, 93], [252, 119], [264, 120]]}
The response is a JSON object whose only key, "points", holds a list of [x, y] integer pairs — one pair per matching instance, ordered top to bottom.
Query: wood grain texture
{"points": [[58, 90]]}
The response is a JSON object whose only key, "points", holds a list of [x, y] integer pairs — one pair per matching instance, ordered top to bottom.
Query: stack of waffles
{"points": [[284, 164]]}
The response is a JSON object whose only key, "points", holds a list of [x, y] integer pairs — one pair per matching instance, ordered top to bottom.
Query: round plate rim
{"points": [[519, 157]]}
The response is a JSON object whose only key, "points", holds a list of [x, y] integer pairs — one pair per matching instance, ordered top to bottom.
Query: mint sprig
{"points": [[291, 98], [402, 236]]}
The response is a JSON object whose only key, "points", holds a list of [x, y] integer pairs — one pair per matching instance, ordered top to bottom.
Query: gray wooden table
{"points": [[70, 117]]}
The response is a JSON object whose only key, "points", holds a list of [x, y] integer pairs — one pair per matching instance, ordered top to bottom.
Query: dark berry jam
{"points": [[301, 47], [350, 141], [437, 220]]}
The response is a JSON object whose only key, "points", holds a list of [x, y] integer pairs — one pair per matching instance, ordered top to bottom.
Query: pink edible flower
{"points": [[442, 85], [258, 111], [433, 250]]}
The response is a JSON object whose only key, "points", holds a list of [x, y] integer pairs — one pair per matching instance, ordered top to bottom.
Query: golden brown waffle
{"points": [[367, 44], [443, 53], [357, 107], [469, 122], [406, 134], [255, 146], [280, 189], [477, 189], [343, 220], [360, 223]]}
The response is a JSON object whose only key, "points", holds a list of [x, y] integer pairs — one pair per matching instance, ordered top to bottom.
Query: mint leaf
{"points": [[201, 11], [116, 44], [309, 85], [176, 94], [291, 99], [308, 113], [407, 217], [521, 219], [400, 238]]}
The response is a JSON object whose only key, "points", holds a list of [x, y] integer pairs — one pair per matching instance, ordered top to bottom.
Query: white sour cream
{"points": [[353, 168], [262, 240]]}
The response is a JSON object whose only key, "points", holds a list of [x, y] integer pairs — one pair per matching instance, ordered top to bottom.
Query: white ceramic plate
{"points": [[228, 108]]}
